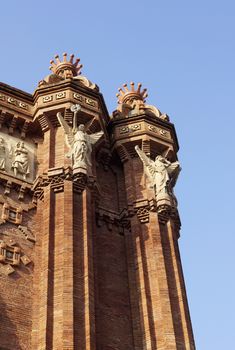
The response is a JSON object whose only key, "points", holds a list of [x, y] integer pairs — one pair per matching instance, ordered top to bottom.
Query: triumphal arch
{"points": [[89, 226]]}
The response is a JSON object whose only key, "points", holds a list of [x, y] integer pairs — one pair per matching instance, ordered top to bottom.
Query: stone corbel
{"points": [[2, 118], [44, 122], [13, 125], [24, 129], [123, 154], [79, 182], [8, 187], [22, 192]]}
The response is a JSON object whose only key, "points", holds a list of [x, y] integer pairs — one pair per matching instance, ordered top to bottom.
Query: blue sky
{"points": [[184, 53]]}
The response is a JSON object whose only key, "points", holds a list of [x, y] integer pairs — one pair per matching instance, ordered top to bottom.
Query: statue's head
{"points": [[81, 127], [160, 158]]}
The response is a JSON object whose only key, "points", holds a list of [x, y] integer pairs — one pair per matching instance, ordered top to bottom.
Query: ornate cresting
{"points": [[66, 69]]}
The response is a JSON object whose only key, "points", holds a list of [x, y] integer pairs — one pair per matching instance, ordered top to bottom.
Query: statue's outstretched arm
{"points": [[146, 160]]}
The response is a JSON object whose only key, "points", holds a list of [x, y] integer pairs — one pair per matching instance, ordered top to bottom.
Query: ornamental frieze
{"points": [[85, 100], [15, 102], [130, 128], [159, 131]]}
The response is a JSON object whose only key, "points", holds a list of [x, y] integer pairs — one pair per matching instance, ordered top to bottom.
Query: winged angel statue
{"points": [[79, 142], [162, 173]]}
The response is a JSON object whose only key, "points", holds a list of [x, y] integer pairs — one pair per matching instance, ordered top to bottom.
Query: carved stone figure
{"points": [[79, 142], [2, 154], [20, 163], [162, 174]]}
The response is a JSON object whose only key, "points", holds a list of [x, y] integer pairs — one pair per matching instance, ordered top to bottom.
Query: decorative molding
{"points": [[60, 95], [48, 98], [86, 100], [15, 102], [129, 129], [159, 131], [56, 177], [10, 183], [142, 208], [12, 211], [164, 213], [11, 214], [143, 214], [111, 218], [27, 234], [11, 256]]}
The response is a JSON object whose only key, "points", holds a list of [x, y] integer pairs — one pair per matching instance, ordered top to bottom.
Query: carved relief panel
{"points": [[17, 157]]}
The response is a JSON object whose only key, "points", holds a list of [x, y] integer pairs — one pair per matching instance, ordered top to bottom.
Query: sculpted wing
{"points": [[67, 130], [95, 137], [173, 171]]}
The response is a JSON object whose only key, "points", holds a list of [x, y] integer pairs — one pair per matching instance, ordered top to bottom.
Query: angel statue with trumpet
{"points": [[79, 142], [162, 174]]}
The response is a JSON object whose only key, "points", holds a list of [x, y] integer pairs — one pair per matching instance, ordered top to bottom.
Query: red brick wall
{"points": [[17, 290]]}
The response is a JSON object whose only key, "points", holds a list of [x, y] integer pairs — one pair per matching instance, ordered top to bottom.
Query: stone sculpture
{"points": [[79, 142], [20, 163], [162, 175]]}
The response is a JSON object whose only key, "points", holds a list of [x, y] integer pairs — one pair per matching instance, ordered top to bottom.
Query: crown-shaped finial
{"points": [[66, 68], [133, 94]]}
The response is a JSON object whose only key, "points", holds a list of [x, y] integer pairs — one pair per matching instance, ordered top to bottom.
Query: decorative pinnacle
{"points": [[60, 66], [125, 94]]}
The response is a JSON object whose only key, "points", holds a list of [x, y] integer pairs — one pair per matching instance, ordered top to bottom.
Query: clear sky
{"points": [[184, 53]]}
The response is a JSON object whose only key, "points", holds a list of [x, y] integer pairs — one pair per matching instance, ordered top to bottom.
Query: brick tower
{"points": [[89, 256]]}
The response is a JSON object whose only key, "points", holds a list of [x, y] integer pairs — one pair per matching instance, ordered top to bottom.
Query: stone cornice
{"points": [[73, 85], [8, 89], [145, 117]]}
